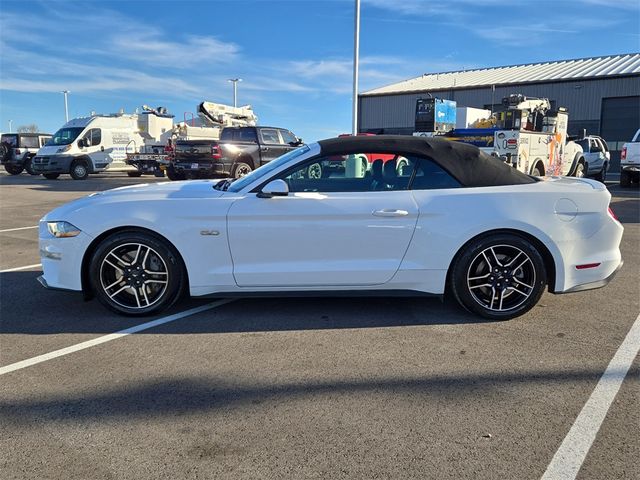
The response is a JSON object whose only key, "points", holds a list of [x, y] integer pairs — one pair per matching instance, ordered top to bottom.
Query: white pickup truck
{"points": [[630, 161]]}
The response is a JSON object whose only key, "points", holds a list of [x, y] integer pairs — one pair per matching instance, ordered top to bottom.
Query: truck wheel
{"points": [[28, 166], [13, 169], [240, 169], [79, 170], [580, 170], [538, 171], [134, 174], [173, 175], [50, 176], [601, 176], [625, 178]]}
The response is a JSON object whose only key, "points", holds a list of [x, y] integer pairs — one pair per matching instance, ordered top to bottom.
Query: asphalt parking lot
{"points": [[306, 388]]}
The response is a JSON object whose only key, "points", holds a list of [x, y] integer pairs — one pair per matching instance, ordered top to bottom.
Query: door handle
{"points": [[264, 149], [390, 212]]}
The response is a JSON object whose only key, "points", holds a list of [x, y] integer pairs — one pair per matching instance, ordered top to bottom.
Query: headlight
{"points": [[64, 149], [62, 229]]}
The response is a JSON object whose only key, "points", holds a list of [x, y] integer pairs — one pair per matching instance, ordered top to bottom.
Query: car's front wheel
{"points": [[136, 273], [499, 276]]}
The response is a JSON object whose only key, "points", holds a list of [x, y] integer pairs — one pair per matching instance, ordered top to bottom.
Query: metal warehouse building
{"points": [[602, 94]]}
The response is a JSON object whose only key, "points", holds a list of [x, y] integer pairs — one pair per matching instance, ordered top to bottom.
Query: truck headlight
{"points": [[66, 148], [62, 229]]}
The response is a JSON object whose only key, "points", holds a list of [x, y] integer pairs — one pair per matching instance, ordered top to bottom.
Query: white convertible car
{"points": [[381, 215]]}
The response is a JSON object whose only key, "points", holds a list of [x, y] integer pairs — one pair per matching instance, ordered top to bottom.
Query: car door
{"points": [[271, 145], [596, 156], [332, 231]]}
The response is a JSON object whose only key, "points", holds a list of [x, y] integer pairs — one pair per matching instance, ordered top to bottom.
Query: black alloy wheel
{"points": [[136, 273], [499, 277]]}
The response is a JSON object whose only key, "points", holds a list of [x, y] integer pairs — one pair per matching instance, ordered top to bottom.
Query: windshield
{"points": [[65, 136], [266, 169]]}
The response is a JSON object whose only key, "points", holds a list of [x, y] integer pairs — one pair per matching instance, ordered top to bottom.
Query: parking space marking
{"points": [[16, 229], [17, 269], [108, 338], [567, 461]]}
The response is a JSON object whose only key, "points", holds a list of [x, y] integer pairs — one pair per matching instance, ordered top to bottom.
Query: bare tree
{"points": [[31, 128]]}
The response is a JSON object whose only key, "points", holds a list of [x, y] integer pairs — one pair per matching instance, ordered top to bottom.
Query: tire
{"points": [[5, 152], [402, 164], [28, 166], [14, 169], [240, 169], [79, 170], [539, 170], [581, 170], [315, 171], [134, 174], [173, 175], [50, 176], [601, 176], [625, 179], [136, 273], [498, 277]]}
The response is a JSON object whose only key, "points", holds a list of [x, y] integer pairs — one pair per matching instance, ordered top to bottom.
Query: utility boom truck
{"points": [[533, 138], [156, 154]]}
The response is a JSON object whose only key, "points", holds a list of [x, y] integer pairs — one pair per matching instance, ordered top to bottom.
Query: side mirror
{"points": [[275, 188]]}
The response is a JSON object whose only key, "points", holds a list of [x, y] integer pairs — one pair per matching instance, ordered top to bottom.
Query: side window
{"points": [[226, 135], [247, 135], [269, 135], [96, 136], [288, 137], [44, 140], [29, 142], [354, 172], [430, 176]]}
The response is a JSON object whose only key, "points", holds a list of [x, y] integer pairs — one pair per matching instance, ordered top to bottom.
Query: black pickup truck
{"points": [[239, 151]]}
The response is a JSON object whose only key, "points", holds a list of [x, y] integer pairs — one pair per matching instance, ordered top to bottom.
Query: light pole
{"points": [[356, 55], [235, 90], [66, 105], [10, 122]]}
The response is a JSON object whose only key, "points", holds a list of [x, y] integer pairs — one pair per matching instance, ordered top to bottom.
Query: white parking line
{"points": [[16, 229], [17, 269], [107, 338], [569, 458]]}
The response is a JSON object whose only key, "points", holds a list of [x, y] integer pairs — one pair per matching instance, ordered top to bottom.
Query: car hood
{"points": [[138, 193]]}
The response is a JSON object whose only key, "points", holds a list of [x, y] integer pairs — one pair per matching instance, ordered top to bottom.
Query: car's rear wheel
{"points": [[14, 169], [538, 171], [173, 175], [50, 176], [136, 273], [498, 277]]}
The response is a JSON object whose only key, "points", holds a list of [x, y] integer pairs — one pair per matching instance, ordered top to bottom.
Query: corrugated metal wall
{"points": [[583, 99]]}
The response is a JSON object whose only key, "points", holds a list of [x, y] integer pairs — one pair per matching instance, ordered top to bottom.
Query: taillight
{"points": [[512, 143], [216, 154], [623, 154], [613, 215]]}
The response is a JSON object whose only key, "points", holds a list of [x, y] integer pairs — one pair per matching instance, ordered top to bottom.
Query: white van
{"points": [[97, 143]]}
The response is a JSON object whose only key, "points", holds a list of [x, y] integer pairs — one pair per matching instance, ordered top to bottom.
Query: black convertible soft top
{"points": [[470, 166]]}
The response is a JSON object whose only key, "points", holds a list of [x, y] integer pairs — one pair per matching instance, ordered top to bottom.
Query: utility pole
{"points": [[356, 55], [235, 90], [66, 105], [10, 122]]}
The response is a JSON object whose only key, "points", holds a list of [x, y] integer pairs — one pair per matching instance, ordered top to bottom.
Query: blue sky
{"points": [[294, 56]]}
